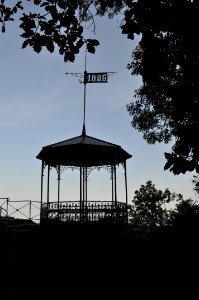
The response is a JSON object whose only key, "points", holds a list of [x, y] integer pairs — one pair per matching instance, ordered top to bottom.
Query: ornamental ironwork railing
{"points": [[91, 211]]}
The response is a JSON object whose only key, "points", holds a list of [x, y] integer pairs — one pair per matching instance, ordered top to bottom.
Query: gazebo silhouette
{"points": [[84, 153]]}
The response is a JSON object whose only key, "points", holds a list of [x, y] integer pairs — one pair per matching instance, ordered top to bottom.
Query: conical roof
{"points": [[83, 151]]}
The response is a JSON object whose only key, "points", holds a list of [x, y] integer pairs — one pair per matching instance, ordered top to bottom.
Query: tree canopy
{"points": [[166, 105], [165, 108], [148, 210], [151, 212], [185, 218]]}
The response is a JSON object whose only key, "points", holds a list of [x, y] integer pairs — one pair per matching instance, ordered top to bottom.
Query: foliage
{"points": [[7, 13], [59, 23], [166, 106], [195, 181], [148, 210], [149, 213], [185, 218]]}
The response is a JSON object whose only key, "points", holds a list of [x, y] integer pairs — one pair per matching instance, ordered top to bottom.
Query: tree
{"points": [[166, 106], [148, 211], [185, 218]]}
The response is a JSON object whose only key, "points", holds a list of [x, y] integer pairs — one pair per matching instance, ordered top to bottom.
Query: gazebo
{"points": [[84, 153]]}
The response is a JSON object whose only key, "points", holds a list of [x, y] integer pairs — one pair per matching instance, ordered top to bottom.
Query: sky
{"points": [[41, 105]]}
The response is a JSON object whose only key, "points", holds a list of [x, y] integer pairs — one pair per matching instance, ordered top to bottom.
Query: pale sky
{"points": [[40, 105]]}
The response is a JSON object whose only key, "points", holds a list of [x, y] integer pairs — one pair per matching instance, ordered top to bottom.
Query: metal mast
{"points": [[100, 77], [85, 82]]}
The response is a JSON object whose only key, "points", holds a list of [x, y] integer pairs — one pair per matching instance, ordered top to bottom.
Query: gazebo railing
{"points": [[90, 211]]}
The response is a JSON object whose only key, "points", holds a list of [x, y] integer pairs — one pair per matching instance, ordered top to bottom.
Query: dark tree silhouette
{"points": [[166, 106], [148, 211], [185, 218]]}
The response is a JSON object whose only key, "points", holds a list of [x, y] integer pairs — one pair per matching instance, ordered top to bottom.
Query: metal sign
{"points": [[96, 77]]}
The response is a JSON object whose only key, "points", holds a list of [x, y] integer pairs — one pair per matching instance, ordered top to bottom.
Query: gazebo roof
{"points": [[83, 151]]}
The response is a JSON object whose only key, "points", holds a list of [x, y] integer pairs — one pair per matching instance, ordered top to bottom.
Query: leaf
{"points": [[37, 2], [44, 4], [19, 5], [14, 9], [27, 34], [93, 42], [26, 43], [79, 43], [50, 46], [37, 47], [90, 48], [69, 56], [168, 155], [168, 165]]}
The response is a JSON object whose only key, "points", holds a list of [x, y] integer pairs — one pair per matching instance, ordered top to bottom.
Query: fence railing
{"points": [[22, 209]]}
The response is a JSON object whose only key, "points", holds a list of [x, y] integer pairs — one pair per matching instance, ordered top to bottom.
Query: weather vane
{"points": [[99, 77]]}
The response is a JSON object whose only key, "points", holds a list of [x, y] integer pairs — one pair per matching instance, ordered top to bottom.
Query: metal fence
{"points": [[22, 209]]}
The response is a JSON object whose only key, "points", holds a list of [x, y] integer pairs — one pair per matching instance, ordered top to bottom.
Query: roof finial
{"points": [[84, 130]]}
